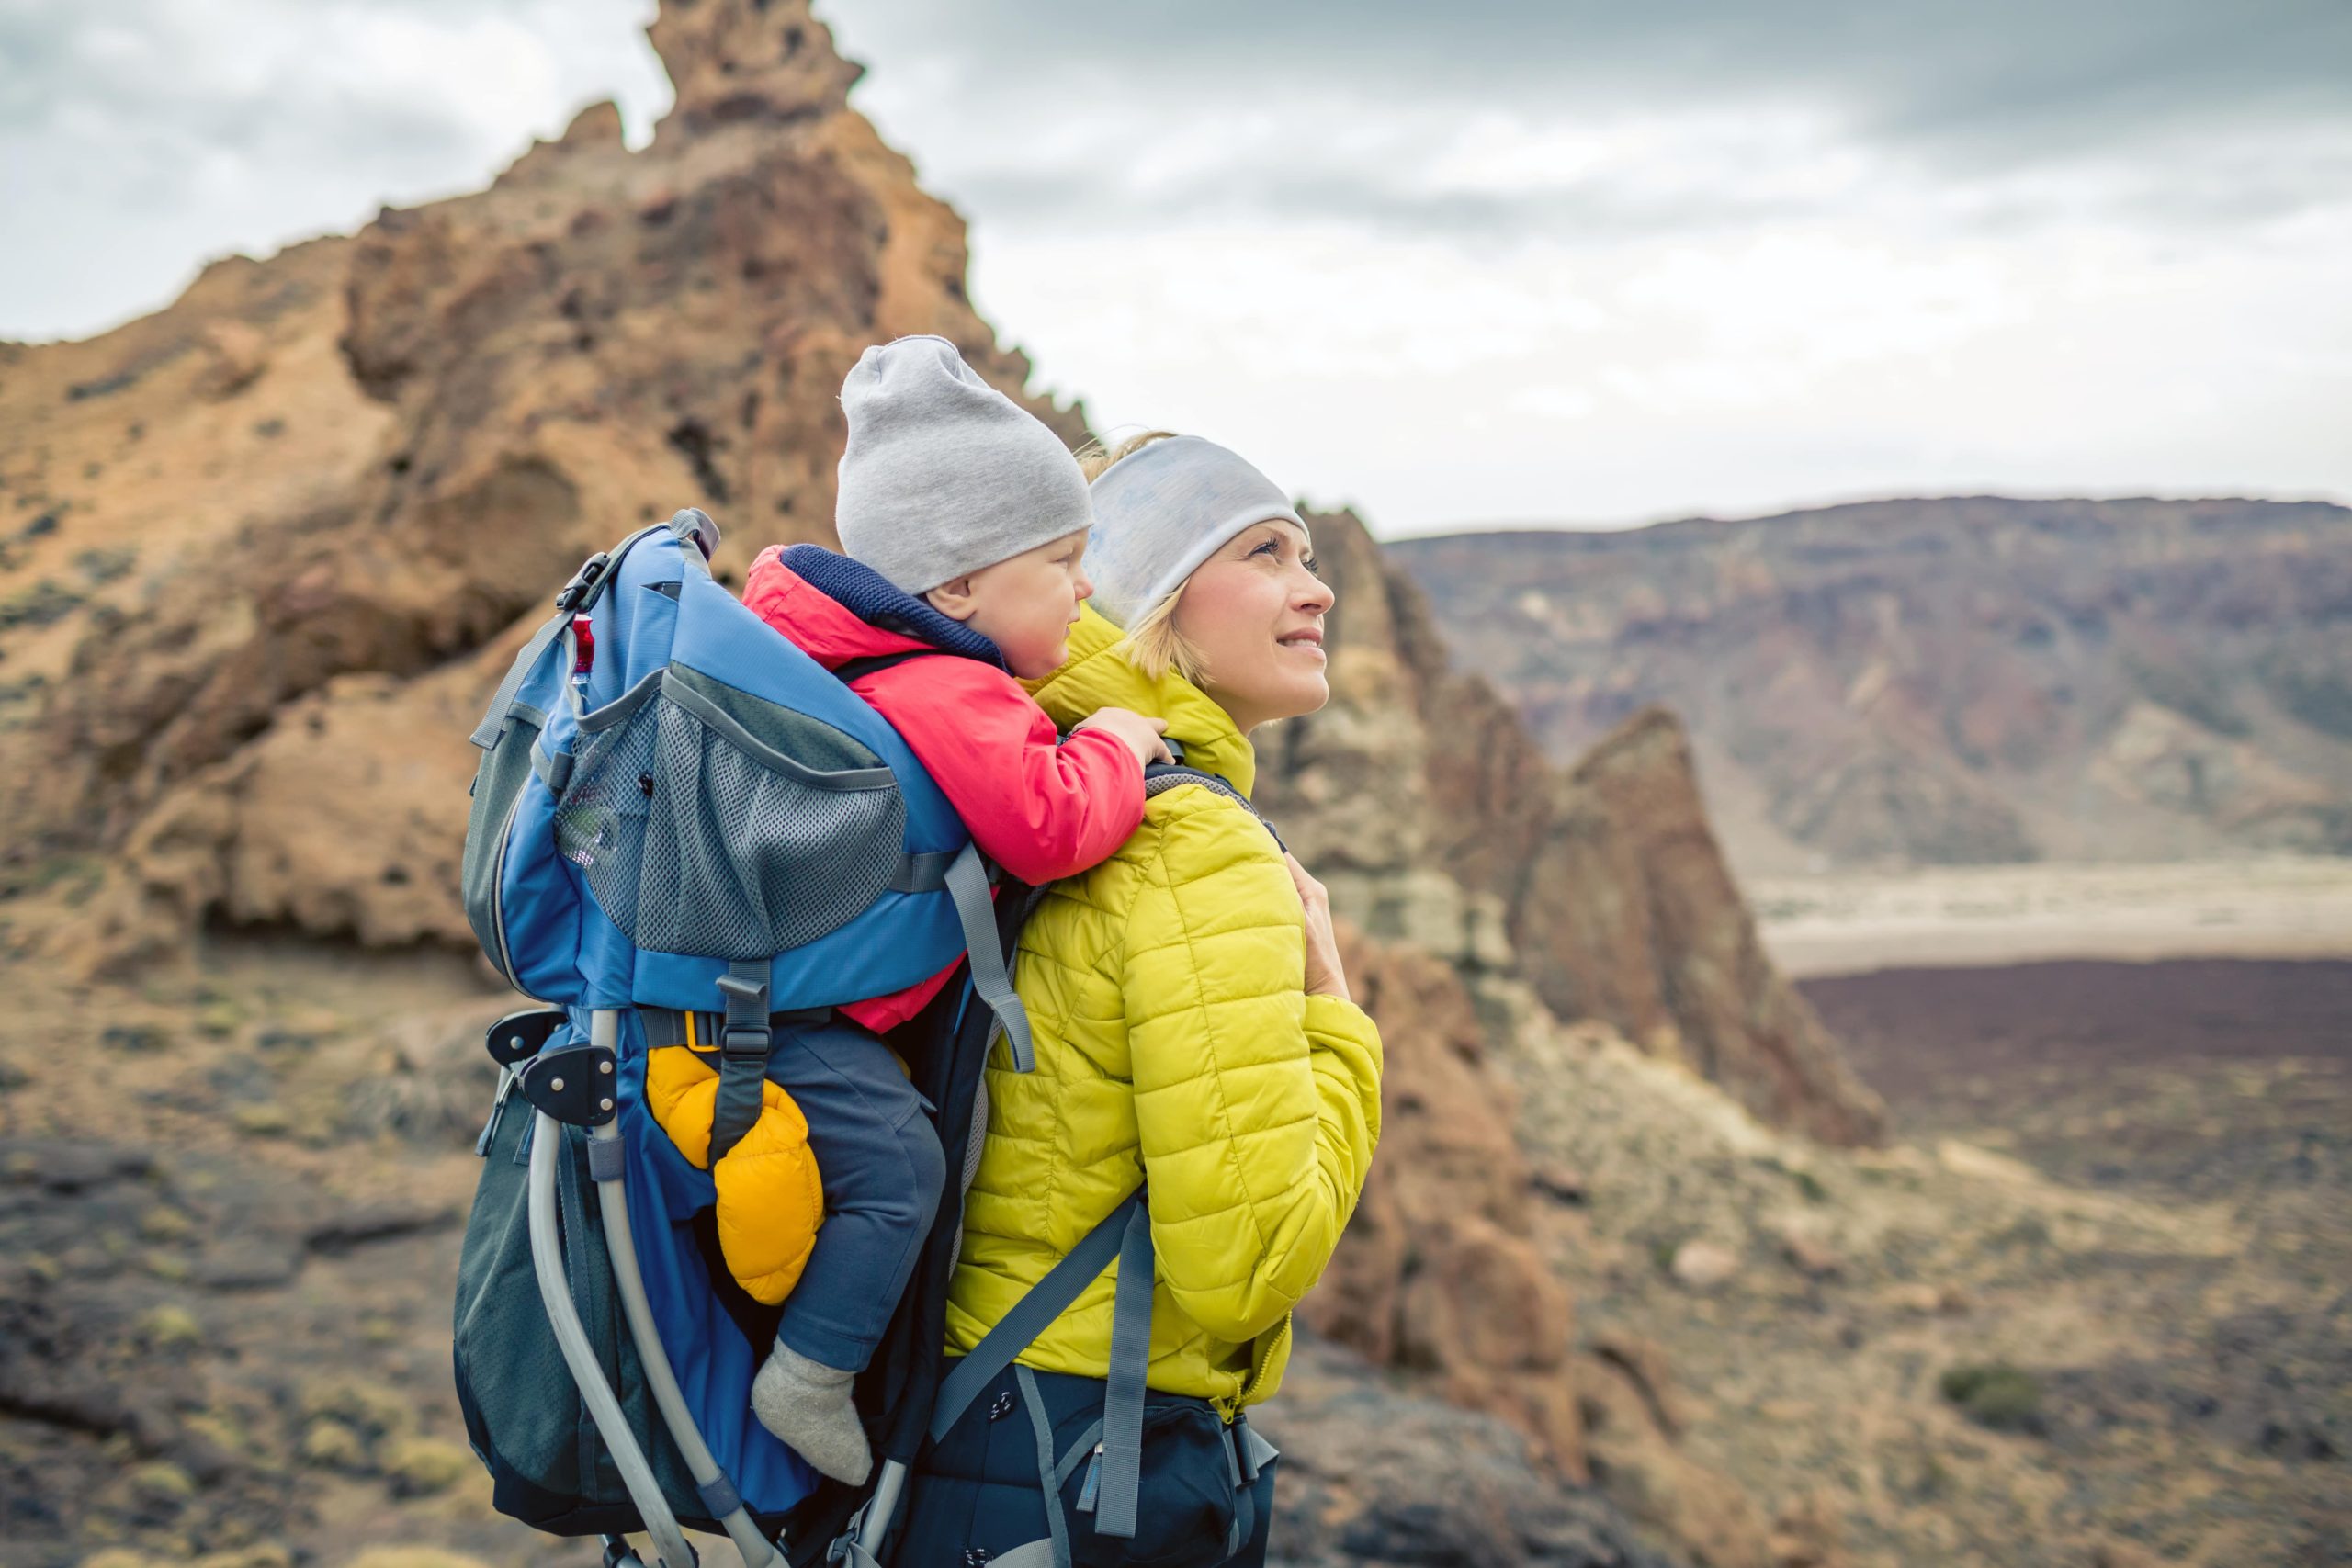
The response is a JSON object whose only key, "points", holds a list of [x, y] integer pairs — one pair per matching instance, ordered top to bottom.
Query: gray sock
{"points": [[807, 1403]]}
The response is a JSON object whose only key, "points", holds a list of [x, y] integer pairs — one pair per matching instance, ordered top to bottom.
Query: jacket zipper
{"points": [[1262, 1357]]}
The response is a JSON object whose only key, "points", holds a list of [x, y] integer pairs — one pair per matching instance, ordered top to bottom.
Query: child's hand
{"points": [[1141, 735]]}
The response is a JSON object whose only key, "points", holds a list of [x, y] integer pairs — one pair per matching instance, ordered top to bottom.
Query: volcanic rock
{"points": [[332, 483], [1951, 681]]}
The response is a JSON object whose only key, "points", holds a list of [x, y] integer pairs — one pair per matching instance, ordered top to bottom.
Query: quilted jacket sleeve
{"points": [[1257, 1105]]}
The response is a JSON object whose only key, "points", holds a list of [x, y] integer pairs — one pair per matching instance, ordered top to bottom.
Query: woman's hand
{"points": [[1139, 734], [1323, 975]]}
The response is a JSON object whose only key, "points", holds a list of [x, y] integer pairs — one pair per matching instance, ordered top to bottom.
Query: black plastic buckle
{"points": [[584, 581], [519, 1036], [745, 1043], [576, 1085]]}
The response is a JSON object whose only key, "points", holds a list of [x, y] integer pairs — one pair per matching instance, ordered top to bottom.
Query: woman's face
{"points": [[1255, 612]]}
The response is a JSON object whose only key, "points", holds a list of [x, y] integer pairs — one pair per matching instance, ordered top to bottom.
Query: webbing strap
{"points": [[493, 721], [554, 767], [925, 872], [967, 885], [744, 1045], [607, 1159], [1032, 1315], [1079, 1451], [1256, 1452], [718, 1496], [1114, 1516], [1057, 1527], [1031, 1554]]}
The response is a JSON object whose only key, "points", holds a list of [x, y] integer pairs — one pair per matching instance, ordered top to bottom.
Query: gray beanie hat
{"points": [[944, 474], [1162, 510]]}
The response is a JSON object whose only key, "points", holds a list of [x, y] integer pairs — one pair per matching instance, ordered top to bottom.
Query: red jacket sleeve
{"points": [[1039, 809]]}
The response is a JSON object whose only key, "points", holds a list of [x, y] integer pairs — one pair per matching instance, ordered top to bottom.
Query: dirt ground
{"points": [[2094, 1307]]}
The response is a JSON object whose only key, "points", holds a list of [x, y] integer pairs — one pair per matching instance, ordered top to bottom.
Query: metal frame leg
{"points": [[555, 1294], [871, 1528], [757, 1550]]}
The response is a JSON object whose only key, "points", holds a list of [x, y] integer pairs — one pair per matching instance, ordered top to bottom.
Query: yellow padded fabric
{"points": [[1174, 1041], [771, 1201]]}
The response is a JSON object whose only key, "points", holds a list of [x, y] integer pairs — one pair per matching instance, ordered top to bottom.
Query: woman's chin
{"points": [[1301, 695]]}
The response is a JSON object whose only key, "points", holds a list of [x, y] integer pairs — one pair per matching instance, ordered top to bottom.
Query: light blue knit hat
{"points": [[1162, 510]]}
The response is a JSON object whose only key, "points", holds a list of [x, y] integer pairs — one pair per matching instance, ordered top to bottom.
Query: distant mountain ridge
{"points": [[1952, 681]]}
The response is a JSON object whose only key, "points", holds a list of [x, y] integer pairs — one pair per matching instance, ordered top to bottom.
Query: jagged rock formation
{"points": [[275, 536], [267, 550], [1948, 682], [1424, 803], [1438, 1272]]}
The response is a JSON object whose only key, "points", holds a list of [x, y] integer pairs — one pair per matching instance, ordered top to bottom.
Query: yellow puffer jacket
{"points": [[1174, 1042]]}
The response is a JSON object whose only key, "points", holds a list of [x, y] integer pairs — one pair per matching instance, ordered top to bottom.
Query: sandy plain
{"points": [[1846, 923]]}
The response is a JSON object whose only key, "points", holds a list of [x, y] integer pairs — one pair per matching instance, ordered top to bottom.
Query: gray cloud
{"points": [[1998, 73], [2160, 94], [139, 137]]}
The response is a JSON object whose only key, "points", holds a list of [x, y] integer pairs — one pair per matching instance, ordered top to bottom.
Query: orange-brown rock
{"points": [[363, 459], [1420, 796], [1629, 913], [1438, 1273], [1636, 1462]]}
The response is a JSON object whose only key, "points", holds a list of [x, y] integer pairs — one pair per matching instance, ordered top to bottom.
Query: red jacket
{"points": [[1039, 807]]}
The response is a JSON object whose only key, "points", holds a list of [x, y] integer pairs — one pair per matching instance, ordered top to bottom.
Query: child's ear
{"points": [[954, 599]]}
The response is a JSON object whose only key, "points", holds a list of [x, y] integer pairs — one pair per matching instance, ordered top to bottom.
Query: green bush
{"points": [[1998, 1395]]}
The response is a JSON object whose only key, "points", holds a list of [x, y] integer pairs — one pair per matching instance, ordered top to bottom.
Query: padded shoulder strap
{"points": [[858, 668], [1159, 778], [1035, 1312]]}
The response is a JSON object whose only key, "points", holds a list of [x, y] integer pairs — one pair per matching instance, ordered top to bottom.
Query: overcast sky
{"points": [[1551, 261]]}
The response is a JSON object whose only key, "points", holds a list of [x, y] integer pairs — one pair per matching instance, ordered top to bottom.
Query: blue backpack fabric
{"points": [[709, 795], [677, 811]]}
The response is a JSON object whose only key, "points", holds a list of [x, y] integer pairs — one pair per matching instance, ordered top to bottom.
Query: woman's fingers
{"points": [[1324, 973]]}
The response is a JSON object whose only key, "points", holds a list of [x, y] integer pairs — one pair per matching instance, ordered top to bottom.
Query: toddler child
{"points": [[963, 523]]}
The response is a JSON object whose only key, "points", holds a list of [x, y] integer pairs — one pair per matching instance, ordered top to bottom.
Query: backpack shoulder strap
{"points": [[858, 668], [1159, 778], [1035, 1312]]}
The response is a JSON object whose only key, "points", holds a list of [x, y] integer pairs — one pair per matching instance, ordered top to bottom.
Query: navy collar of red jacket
{"points": [[876, 600]]}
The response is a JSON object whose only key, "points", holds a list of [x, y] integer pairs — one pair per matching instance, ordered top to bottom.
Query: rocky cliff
{"points": [[266, 546], [268, 549], [1948, 682], [1423, 802]]}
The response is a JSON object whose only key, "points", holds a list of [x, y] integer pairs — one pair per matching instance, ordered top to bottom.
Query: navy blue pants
{"points": [[882, 1170], [975, 1495]]}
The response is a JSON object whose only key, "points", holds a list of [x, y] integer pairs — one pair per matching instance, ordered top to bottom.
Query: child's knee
{"points": [[928, 1165]]}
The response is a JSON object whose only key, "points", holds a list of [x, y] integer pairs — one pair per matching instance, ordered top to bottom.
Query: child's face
{"points": [[1025, 606]]}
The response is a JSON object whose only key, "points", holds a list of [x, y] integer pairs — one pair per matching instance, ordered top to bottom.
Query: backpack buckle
{"points": [[584, 581], [743, 1042]]}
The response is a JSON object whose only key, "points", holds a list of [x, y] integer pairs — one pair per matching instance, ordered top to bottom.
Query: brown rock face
{"points": [[362, 461], [1956, 681], [1421, 798], [1630, 915], [1438, 1273]]}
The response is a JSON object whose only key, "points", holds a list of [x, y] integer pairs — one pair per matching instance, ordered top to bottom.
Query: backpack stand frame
{"points": [[574, 1085]]}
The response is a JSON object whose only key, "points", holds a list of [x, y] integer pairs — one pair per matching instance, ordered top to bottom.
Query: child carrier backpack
{"points": [[679, 814]]}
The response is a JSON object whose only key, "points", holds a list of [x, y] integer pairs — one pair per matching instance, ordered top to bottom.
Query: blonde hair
{"points": [[1098, 455], [1152, 644]]}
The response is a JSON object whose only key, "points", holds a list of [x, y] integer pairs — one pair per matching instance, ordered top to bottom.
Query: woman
{"points": [[1194, 1033]]}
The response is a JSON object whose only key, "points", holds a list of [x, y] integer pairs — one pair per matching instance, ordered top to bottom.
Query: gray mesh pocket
{"points": [[701, 830]]}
